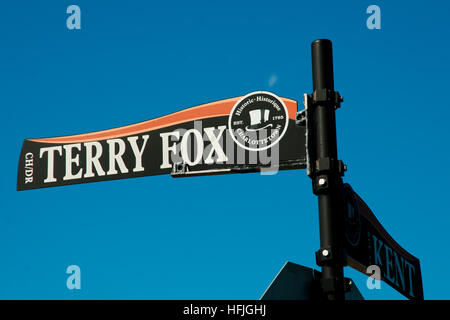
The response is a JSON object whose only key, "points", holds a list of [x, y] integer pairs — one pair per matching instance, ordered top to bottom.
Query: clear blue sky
{"points": [[200, 238]]}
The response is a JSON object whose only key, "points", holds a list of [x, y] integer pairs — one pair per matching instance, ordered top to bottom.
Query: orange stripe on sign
{"points": [[208, 110]]}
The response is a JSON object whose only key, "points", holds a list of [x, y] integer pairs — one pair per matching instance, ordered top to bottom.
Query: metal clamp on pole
{"points": [[326, 96], [323, 171], [329, 255], [325, 256]]}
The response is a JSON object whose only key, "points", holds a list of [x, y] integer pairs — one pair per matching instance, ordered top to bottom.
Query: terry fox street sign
{"points": [[250, 133], [367, 243]]}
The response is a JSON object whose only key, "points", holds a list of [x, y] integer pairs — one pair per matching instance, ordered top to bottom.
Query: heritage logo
{"points": [[258, 121]]}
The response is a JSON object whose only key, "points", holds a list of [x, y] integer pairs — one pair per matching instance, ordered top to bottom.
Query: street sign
{"points": [[256, 132], [243, 134], [368, 243], [296, 282]]}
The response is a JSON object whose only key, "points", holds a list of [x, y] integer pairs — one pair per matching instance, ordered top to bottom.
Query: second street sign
{"points": [[250, 133], [367, 243]]}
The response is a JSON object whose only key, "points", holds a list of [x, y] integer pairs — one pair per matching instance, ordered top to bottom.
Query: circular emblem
{"points": [[258, 121], [352, 217]]}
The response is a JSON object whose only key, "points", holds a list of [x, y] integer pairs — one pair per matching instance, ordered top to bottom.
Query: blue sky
{"points": [[201, 238]]}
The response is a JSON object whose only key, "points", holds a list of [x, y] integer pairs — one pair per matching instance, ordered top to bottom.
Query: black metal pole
{"points": [[327, 170]]}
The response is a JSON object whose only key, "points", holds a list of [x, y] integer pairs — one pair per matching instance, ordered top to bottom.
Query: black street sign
{"points": [[255, 132], [367, 243], [297, 282]]}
